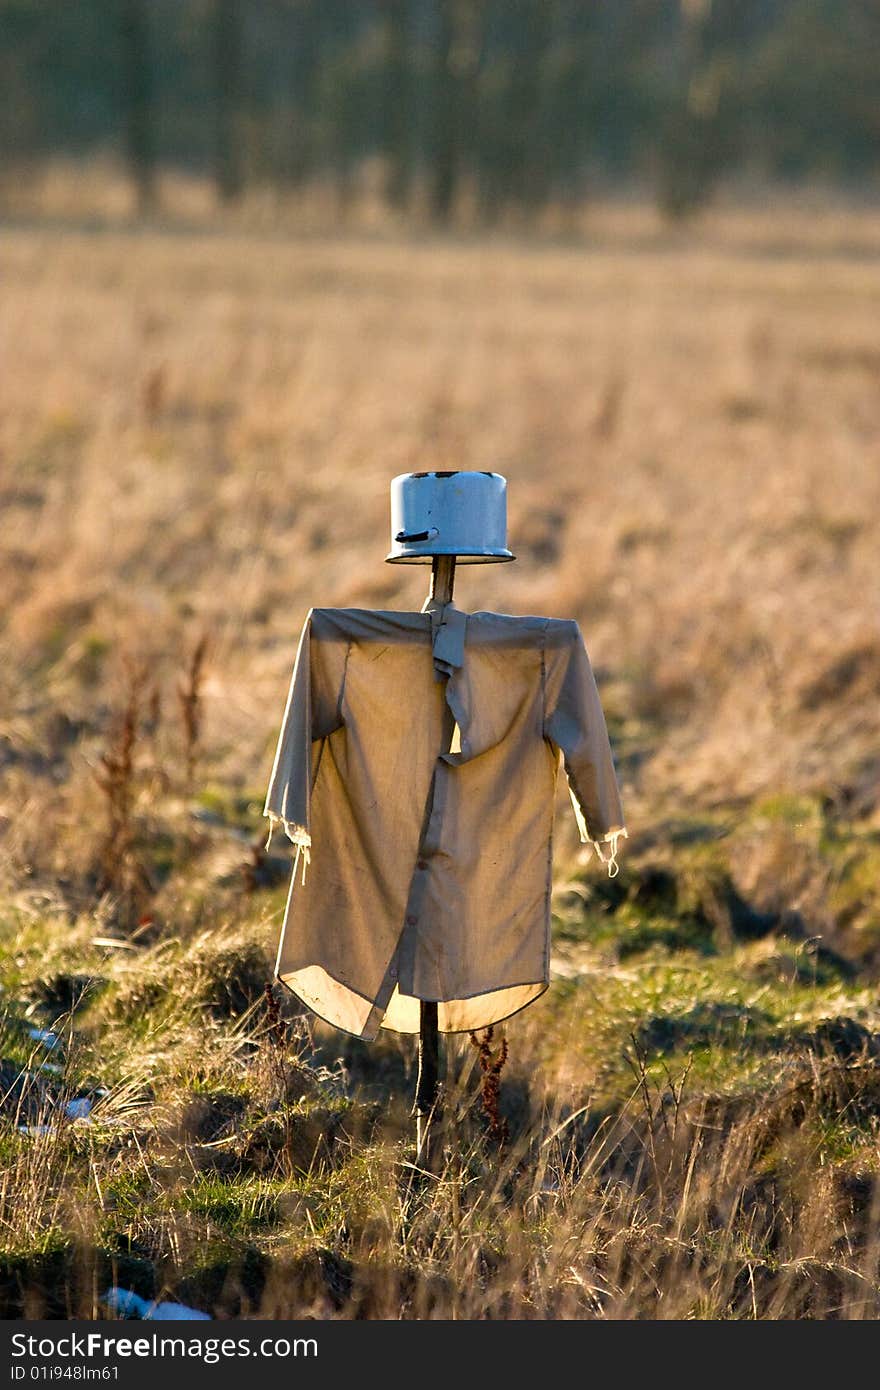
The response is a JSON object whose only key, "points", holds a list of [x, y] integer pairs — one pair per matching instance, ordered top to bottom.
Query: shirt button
{"points": [[422, 864], [411, 920]]}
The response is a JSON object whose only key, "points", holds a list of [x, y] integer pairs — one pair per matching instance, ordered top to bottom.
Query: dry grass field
{"points": [[197, 432]]}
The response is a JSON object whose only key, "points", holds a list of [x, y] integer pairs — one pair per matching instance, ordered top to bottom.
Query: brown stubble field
{"points": [[197, 432]]}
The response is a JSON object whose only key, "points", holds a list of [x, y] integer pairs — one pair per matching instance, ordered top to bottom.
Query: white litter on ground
{"points": [[78, 1109], [130, 1305]]}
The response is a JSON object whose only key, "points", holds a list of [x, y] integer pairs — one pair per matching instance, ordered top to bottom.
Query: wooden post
{"points": [[442, 578], [428, 1130]]}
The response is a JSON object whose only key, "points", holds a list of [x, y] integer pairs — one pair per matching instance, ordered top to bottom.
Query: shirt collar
{"points": [[448, 626]]}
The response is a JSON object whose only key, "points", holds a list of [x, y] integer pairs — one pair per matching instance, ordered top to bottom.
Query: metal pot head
{"points": [[462, 514]]}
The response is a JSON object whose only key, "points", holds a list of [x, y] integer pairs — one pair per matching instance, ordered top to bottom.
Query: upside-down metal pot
{"points": [[462, 514]]}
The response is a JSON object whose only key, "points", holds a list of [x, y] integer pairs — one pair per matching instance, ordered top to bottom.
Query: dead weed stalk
{"points": [[189, 698], [120, 869], [491, 1067]]}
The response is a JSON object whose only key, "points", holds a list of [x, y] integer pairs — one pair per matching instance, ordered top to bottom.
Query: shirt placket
{"points": [[412, 937], [401, 969]]}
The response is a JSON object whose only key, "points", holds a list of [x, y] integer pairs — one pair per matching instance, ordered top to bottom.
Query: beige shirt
{"points": [[416, 773]]}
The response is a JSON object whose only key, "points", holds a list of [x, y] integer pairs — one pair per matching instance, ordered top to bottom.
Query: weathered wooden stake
{"points": [[428, 1117]]}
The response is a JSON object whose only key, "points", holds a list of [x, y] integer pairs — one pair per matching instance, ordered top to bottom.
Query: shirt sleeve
{"points": [[312, 712], [575, 725]]}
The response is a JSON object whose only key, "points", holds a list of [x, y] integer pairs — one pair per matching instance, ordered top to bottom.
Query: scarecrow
{"points": [[416, 773]]}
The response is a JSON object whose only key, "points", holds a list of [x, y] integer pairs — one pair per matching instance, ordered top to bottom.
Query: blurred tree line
{"points": [[508, 105]]}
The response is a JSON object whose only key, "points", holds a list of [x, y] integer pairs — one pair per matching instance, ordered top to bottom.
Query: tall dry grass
{"points": [[197, 431], [689, 433]]}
